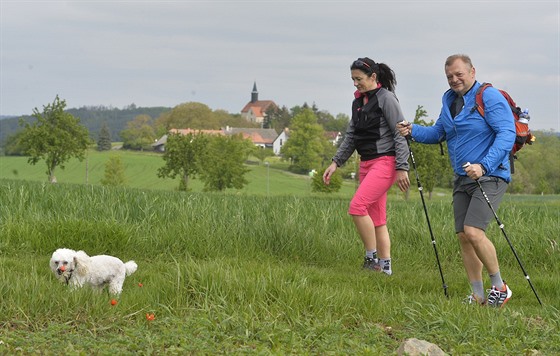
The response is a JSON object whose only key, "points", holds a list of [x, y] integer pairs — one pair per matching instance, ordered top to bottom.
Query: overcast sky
{"points": [[164, 53]]}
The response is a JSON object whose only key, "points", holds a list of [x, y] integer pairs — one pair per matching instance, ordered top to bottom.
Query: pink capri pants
{"points": [[376, 178]]}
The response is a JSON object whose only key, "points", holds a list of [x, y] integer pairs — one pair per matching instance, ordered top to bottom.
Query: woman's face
{"points": [[362, 81]]}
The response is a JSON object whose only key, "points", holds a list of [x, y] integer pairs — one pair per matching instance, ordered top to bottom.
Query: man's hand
{"points": [[405, 128], [474, 171]]}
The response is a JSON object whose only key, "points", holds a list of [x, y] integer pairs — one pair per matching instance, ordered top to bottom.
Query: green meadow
{"points": [[141, 172], [270, 270]]}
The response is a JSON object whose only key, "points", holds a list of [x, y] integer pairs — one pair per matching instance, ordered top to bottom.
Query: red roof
{"points": [[262, 104], [256, 111], [188, 131], [332, 134], [257, 136]]}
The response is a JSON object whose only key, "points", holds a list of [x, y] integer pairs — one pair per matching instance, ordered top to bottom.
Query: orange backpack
{"points": [[522, 131]]}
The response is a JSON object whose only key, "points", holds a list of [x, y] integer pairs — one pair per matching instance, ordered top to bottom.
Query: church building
{"points": [[255, 110]]}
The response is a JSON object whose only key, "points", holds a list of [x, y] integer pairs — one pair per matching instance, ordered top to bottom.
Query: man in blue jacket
{"points": [[485, 142]]}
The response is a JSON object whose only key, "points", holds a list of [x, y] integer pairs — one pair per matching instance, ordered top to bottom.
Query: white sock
{"points": [[372, 254], [386, 265]]}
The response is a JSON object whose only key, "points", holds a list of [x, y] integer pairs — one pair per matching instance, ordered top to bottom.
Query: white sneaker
{"points": [[497, 298]]}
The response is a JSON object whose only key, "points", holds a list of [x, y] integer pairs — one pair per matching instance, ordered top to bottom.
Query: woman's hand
{"points": [[328, 173], [402, 180]]}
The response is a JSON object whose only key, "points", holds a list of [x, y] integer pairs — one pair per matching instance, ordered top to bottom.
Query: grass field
{"points": [[141, 172], [257, 274]]}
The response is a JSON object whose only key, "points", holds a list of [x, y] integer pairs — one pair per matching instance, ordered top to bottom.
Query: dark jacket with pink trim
{"points": [[372, 130]]}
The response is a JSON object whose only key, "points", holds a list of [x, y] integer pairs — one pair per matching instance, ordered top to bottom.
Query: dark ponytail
{"points": [[386, 77]]}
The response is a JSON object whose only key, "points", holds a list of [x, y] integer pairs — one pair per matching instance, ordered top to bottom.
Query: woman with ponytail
{"points": [[383, 157]]}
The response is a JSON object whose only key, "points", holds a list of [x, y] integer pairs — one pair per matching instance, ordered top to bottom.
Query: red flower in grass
{"points": [[113, 302], [150, 316]]}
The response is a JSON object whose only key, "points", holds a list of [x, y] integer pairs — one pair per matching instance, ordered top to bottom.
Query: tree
{"points": [[296, 110], [188, 115], [277, 118], [324, 118], [339, 124], [139, 133], [56, 137], [104, 139], [307, 144], [13, 145], [262, 153], [182, 156], [222, 165], [432, 166], [537, 169], [114, 172]]}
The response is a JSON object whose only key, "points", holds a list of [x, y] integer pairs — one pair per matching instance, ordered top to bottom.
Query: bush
{"points": [[318, 186]]}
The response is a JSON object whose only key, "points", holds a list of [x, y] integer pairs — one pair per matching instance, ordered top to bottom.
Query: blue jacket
{"points": [[472, 138]]}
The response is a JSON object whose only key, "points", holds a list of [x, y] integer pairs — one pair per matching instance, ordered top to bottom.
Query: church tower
{"points": [[254, 94]]}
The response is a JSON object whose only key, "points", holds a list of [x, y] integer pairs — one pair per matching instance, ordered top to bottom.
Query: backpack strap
{"points": [[478, 102], [479, 106]]}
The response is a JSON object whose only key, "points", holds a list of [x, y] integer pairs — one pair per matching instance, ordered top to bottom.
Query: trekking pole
{"points": [[420, 189], [501, 225]]}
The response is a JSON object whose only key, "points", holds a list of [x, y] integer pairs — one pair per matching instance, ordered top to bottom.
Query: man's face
{"points": [[460, 76]]}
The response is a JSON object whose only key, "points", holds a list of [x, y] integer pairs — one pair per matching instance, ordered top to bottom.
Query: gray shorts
{"points": [[469, 205]]}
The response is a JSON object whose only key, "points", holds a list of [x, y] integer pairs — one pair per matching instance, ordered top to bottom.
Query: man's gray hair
{"points": [[466, 59]]}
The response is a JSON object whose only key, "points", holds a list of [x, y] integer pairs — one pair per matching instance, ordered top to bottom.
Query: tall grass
{"points": [[228, 273]]}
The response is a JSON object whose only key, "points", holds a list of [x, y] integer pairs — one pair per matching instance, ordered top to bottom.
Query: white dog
{"points": [[76, 268]]}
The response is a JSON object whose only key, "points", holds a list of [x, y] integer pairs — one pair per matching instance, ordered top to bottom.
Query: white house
{"points": [[265, 138], [279, 141]]}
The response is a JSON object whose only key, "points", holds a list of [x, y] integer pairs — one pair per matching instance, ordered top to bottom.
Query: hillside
{"points": [[92, 118]]}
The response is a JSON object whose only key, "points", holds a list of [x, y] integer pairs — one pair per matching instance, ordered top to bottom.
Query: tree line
{"points": [[92, 117]]}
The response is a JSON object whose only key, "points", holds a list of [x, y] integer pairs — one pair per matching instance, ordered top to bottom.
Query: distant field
{"points": [[141, 172]]}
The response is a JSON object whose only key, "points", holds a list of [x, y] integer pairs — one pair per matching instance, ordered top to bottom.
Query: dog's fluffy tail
{"points": [[131, 267]]}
